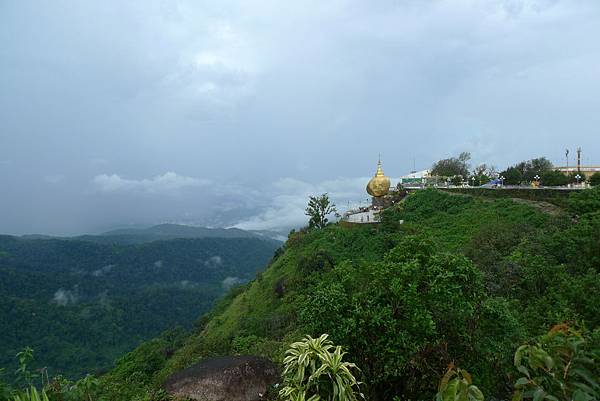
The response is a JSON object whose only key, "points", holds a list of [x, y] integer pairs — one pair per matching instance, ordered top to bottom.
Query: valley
{"points": [[80, 304]]}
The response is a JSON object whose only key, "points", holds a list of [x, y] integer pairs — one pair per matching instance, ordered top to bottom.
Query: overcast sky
{"points": [[232, 112]]}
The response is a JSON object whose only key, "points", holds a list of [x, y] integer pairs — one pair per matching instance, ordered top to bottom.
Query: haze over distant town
{"points": [[231, 113]]}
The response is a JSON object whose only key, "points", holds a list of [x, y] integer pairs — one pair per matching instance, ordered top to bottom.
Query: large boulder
{"points": [[231, 378]]}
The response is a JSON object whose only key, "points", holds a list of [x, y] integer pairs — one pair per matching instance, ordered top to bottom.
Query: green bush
{"points": [[554, 178], [595, 179], [558, 197], [431, 201], [586, 201], [318, 261], [405, 318], [560, 366], [314, 370], [457, 385], [31, 394]]}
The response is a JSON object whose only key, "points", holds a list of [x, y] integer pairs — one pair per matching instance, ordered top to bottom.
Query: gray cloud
{"points": [[232, 112], [168, 183], [286, 201]]}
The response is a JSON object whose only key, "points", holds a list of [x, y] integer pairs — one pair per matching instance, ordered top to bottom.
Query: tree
{"points": [[453, 166], [535, 167], [484, 169], [526, 171], [512, 176], [553, 178], [595, 179], [457, 180], [477, 180], [585, 201], [319, 207], [404, 319], [560, 366], [315, 371], [457, 385]]}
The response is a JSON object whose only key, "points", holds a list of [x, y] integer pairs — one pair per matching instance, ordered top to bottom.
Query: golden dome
{"points": [[380, 184]]}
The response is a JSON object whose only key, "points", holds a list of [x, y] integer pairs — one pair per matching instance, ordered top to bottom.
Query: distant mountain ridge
{"points": [[183, 231], [162, 232]]}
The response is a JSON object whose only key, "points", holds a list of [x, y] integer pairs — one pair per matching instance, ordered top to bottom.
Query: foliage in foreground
{"points": [[560, 366], [314, 370], [457, 385], [58, 388]]}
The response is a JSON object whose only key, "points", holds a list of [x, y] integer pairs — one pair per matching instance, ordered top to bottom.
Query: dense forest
{"points": [[443, 279], [500, 294], [81, 304]]}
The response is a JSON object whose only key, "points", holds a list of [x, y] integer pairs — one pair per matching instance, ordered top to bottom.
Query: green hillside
{"points": [[445, 278], [80, 305]]}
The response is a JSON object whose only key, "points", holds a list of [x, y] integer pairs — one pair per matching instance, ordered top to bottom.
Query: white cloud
{"points": [[168, 183], [287, 198], [213, 262], [102, 271], [229, 282], [187, 284], [65, 297]]}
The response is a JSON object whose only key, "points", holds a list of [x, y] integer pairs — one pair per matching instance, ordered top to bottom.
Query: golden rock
{"points": [[380, 184]]}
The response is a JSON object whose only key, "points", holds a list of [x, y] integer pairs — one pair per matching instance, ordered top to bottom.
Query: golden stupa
{"points": [[380, 184]]}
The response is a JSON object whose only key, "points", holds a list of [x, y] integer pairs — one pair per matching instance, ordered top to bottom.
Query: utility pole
{"points": [[578, 160]]}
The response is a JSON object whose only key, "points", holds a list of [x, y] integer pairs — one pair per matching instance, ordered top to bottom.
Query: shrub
{"points": [[553, 178], [595, 179], [430, 201], [586, 201], [317, 261], [404, 319], [560, 366], [314, 370], [457, 385], [31, 394]]}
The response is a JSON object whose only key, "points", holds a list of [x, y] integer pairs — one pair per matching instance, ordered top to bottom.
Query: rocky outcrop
{"points": [[241, 378]]}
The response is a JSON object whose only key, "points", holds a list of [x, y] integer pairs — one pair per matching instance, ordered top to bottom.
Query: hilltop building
{"points": [[585, 171], [415, 178], [379, 187]]}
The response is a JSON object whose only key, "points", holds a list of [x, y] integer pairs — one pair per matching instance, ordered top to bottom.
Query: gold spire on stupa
{"points": [[380, 184]]}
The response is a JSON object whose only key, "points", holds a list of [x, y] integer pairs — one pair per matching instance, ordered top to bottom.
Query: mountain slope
{"points": [[461, 280], [81, 304]]}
